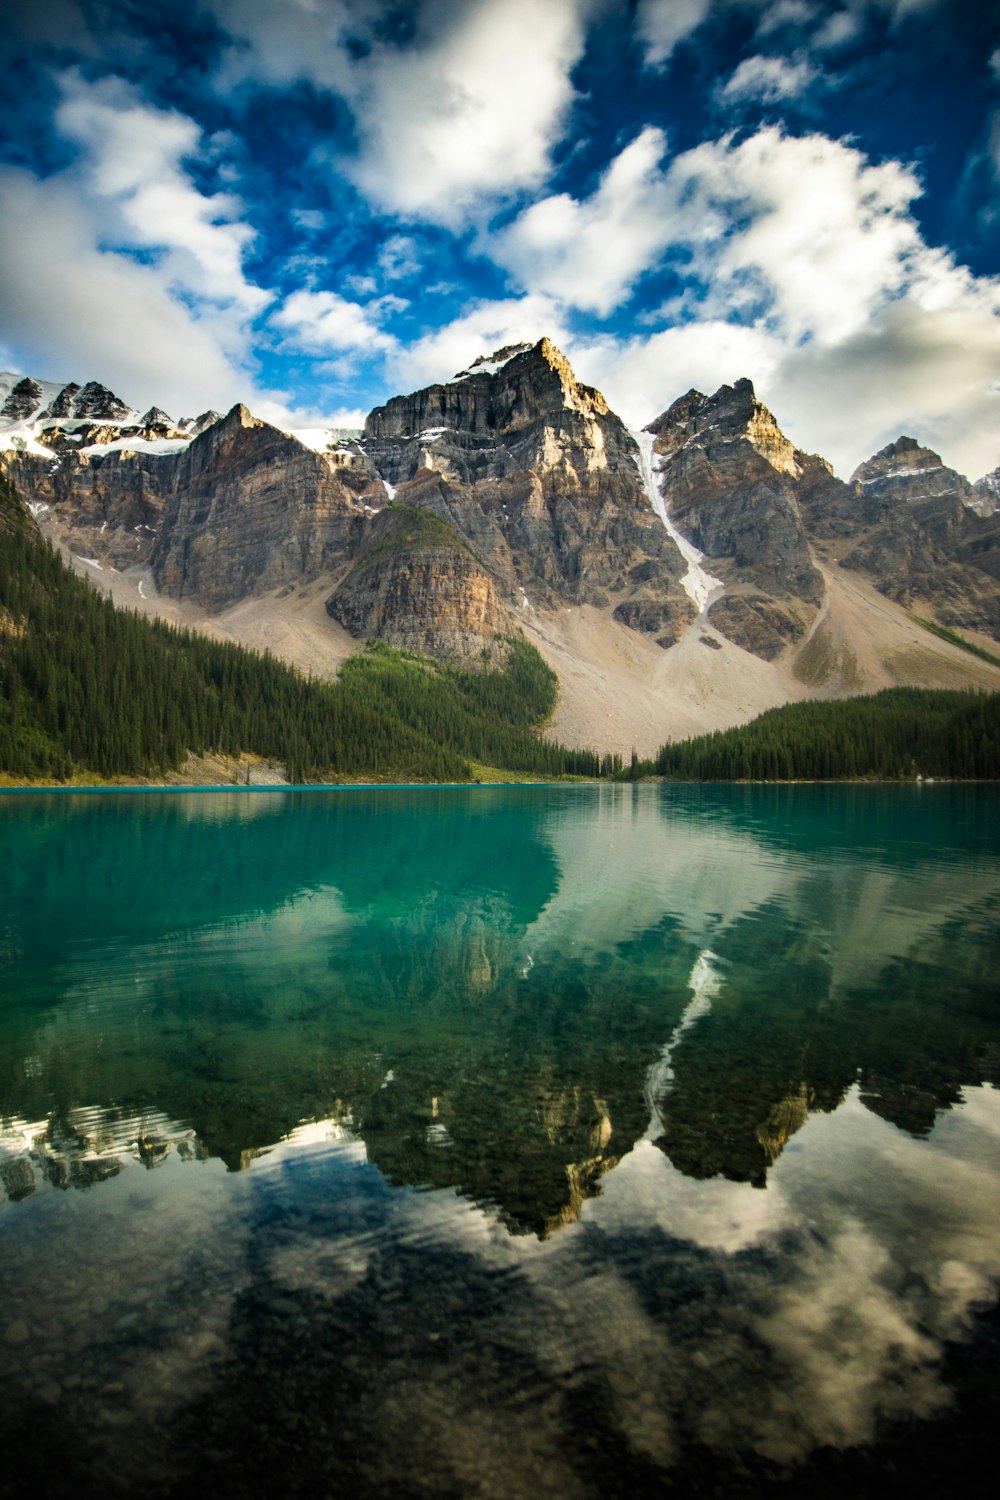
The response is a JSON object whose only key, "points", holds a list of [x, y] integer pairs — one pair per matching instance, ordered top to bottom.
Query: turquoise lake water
{"points": [[573, 1141]]}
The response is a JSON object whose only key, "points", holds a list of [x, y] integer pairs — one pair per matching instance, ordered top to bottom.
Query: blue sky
{"points": [[309, 205]]}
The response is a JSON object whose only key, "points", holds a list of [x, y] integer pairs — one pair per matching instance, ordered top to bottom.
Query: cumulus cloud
{"points": [[786, 13], [661, 24], [281, 41], [767, 80], [464, 110], [472, 111], [133, 157], [803, 228], [814, 233], [590, 253], [399, 257], [808, 273], [74, 312], [323, 322]]}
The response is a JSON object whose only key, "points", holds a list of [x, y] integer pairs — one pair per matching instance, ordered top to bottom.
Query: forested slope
{"points": [[87, 687], [901, 733]]}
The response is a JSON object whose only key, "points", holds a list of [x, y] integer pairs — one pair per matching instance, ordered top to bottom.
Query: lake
{"points": [[574, 1141]]}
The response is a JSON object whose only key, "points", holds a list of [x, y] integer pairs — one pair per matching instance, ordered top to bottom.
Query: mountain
{"points": [[678, 580]]}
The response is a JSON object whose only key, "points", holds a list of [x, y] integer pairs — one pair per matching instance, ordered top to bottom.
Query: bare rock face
{"points": [[96, 403], [195, 426], [532, 468], [905, 474], [730, 480], [248, 508], [908, 522], [418, 586]]}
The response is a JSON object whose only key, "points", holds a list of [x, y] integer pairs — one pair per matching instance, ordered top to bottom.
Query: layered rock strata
{"points": [[248, 508], [910, 524], [418, 586]]}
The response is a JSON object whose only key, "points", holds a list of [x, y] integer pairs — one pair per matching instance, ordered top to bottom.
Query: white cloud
{"points": [[782, 13], [661, 24], [840, 27], [280, 41], [995, 64], [767, 80], [466, 111], [471, 111], [133, 158], [309, 218], [803, 226], [813, 232], [589, 254], [399, 257], [812, 279], [74, 312], [321, 322], [643, 374], [303, 419]]}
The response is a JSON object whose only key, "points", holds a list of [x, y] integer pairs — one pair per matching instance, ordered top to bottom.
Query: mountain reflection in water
{"points": [[598, 1022]]}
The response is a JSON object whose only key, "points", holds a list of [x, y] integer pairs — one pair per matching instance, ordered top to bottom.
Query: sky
{"points": [[311, 205]]}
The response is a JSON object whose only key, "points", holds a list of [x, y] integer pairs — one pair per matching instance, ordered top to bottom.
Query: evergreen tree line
{"points": [[85, 686], [900, 733]]}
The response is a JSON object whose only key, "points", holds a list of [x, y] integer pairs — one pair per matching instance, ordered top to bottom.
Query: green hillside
{"points": [[86, 687], [900, 733]]}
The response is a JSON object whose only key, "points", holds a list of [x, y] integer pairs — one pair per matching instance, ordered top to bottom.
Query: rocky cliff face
{"points": [[541, 478], [730, 480], [535, 490], [247, 509], [909, 523], [418, 586]]}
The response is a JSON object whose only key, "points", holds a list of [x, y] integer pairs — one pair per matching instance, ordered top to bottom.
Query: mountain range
{"points": [[677, 579]]}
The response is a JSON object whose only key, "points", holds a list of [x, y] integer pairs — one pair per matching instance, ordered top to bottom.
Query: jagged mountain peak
{"points": [[489, 364], [499, 392], [30, 402], [732, 414], [155, 417], [195, 426], [912, 472]]}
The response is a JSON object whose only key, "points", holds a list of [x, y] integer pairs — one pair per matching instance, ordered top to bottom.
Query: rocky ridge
{"points": [[541, 478], [730, 480], [507, 497]]}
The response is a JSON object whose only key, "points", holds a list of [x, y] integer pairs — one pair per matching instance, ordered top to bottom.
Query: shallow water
{"points": [[569, 1141]]}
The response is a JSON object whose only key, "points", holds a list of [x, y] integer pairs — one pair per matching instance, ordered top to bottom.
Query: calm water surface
{"points": [[580, 1141]]}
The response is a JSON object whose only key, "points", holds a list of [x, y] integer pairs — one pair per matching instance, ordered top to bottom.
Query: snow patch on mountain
{"points": [[701, 587]]}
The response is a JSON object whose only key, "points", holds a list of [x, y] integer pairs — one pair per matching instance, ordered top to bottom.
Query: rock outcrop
{"points": [[23, 401], [535, 472], [730, 480], [987, 494], [248, 508], [908, 522], [418, 586]]}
